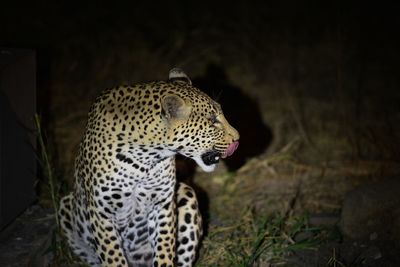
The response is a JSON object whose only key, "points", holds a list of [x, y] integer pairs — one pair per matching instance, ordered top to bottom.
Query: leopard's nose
{"points": [[231, 132], [234, 133]]}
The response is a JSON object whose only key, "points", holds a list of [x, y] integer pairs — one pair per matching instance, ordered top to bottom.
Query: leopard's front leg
{"points": [[189, 226], [164, 235], [107, 240]]}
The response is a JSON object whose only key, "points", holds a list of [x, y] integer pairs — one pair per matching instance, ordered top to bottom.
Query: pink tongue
{"points": [[231, 148]]}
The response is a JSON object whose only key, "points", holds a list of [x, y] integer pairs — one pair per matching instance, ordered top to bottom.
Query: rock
{"points": [[372, 210], [24, 241], [42, 255]]}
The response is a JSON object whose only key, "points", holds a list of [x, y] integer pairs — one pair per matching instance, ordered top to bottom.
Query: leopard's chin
{"points": [[211, 157], [208, 160]]}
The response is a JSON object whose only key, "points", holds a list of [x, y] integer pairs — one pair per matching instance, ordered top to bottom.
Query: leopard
{"points": [[127, 207]]}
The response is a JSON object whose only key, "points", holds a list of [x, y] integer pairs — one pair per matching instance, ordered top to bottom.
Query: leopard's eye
{"points": [[213, 119]]}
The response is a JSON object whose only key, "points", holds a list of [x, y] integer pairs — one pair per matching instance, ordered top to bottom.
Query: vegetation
{"points": [[50, 188], [258, 241]]}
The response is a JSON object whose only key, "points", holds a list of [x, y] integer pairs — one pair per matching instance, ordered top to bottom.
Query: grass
{"points": [[47, 168], [51, 184], [258, 241], [334, 261]]}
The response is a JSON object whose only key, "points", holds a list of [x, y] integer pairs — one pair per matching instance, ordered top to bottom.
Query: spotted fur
{"points": [[126, 208]]}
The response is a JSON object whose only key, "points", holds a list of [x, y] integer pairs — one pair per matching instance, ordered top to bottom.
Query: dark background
{"points": [[341, 53]]}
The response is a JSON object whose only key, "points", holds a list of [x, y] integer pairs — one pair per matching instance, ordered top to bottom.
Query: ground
{"points": [[312, 88], [26, 241]]}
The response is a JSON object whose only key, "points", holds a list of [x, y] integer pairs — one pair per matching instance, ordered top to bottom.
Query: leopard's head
{"points": [[196, 125]]}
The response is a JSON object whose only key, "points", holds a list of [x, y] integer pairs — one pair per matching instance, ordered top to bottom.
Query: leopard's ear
{"points": [[178, 75], [174, 107]]}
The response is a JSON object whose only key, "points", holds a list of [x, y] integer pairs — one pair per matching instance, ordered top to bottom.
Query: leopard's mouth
{"points": [[230, 149], [213, 156]]}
